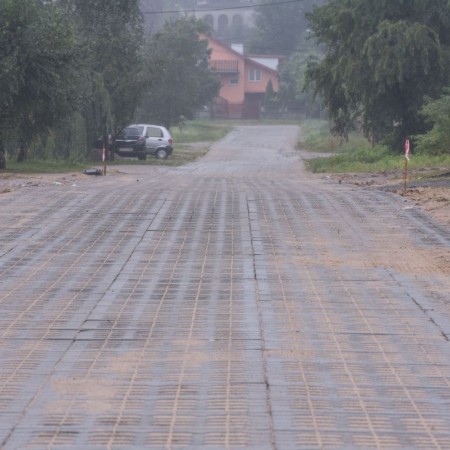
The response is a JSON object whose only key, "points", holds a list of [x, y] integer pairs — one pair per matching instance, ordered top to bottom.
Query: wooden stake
{"points": [[332, 157], [104, 160], [406, 174]]}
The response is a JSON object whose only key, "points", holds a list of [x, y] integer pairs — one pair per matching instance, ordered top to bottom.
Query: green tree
{"points": [[280, 26], [112, 37], [382, 58], [178, 73], [39, 79], [292, 92], [270, 96], [436, 113]]}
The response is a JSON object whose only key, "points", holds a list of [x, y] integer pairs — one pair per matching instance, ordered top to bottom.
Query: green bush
{"points": [[437, 113], [358, 155]]}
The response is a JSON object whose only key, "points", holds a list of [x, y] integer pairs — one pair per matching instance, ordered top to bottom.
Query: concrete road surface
{"points": [[233, 303]]}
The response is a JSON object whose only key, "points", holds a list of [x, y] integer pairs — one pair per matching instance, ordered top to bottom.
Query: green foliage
{"points": [[280, 26], [282, 29], [111, 37], [381, 59], [38, 70], [74, 70], [69, 71], [179, 78], [292, 93], [270, 97], [437, 113], [199, 131], [315, 136], [70, 139], [191, 143], [356, 154], [378, 159], [44, 166]]}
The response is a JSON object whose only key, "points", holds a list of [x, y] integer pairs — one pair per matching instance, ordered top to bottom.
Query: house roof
{"points": [[247, 58]]}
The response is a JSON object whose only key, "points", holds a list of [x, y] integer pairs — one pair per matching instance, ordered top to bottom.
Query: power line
{"points": [[220, 9]]}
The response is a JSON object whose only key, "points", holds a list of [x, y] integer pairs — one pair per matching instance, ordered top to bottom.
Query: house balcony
{"points": [[224, 66]]}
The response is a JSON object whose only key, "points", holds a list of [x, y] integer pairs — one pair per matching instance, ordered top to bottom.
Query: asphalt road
{"points": [[233, 303]]}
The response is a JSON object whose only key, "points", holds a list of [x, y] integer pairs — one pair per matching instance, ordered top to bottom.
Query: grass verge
{"points": [[200, 131], [190, 143], [183, 153], [358, 156], [40, 166]]}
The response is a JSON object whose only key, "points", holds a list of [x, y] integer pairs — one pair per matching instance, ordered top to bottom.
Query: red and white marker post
{"points": [[407, 146]]}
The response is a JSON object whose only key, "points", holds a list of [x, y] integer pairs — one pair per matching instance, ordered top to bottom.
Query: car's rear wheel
{"points": [[161, 153]]}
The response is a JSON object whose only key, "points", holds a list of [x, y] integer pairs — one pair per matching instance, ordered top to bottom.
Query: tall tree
{"points": [[154, 14], [280, 26], [112, 32], [381, 59], [38, 70], [178, 70], [292, 93]]}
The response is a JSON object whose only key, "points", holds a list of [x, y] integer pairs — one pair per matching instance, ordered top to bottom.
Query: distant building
{"points": [[226, 17], [244, 80]]}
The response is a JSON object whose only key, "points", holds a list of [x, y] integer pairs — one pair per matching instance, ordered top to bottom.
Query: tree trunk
{"points": [[21, 155], [2, 157]]}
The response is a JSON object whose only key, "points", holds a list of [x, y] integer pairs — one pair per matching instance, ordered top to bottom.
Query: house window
{"points": [[222, 25], [254, 74], [234, 80]]}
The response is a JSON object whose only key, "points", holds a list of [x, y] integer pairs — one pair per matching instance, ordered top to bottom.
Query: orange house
{"points": [[244, 80]]}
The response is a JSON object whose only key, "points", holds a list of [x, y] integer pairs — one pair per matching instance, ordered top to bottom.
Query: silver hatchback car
{"points": [[140, 140]]}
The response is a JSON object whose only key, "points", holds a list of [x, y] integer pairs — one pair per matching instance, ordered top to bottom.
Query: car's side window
{"points": [[154, 132]]}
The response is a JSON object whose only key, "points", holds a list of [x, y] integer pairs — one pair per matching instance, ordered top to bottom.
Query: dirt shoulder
{"points": [[12, 182], [430, 193]]}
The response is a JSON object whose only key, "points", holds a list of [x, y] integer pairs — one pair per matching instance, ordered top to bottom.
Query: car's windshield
{"points": [[132, 132]]}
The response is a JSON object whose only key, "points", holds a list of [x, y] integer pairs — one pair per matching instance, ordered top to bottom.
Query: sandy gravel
{"points": [[431, 197]]}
